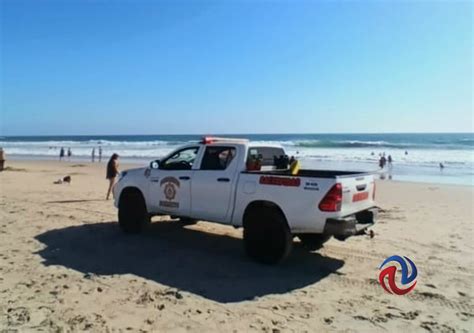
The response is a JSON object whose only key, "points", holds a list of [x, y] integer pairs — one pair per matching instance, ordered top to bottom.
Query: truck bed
{"points": [[311, 173]]}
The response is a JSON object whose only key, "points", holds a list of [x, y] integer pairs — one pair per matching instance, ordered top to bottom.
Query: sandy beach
{"points": [[65, 265]]}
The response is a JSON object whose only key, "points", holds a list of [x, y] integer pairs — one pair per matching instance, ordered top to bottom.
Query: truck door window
{"points": [[217, 158], [181, 160]]}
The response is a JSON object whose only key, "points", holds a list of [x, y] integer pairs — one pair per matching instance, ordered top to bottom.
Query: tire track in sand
{"points": [[366, 256], [416, 296]]}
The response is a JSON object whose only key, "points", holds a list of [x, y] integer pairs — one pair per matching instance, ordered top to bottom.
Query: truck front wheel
{"points": [[132, 212], [267, 237], [313, 242]]}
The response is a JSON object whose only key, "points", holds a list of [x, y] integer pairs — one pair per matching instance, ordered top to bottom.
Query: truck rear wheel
{"points": [[132, 212], [267, 237], [313, 242]]}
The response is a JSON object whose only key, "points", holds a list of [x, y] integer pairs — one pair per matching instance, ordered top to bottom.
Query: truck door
{"points": [[170, 184], [213, 184]]}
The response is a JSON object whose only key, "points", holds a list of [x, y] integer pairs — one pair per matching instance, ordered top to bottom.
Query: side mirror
{"points": [[155, 164]]}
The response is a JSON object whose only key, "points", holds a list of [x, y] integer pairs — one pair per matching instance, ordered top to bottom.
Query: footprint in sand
{"points": [[410, 315], [18, 316], [465, 316], [40, 317], [91, 322], [433, 326]]}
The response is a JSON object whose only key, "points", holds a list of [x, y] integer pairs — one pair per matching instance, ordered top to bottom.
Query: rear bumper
{"points": [[351, 225]]}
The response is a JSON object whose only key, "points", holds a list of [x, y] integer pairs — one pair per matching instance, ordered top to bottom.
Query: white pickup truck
{"points": [[210, 180]]}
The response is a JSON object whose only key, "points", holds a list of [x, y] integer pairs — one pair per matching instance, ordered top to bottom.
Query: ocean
{"points": [[416, 157]]}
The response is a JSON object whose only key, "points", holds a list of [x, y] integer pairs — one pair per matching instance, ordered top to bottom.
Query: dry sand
{"points": [[65, 266]]}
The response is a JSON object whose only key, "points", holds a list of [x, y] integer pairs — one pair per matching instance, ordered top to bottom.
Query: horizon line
{"points": [[231, 134]]}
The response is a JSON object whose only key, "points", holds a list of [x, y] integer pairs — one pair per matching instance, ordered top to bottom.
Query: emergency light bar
{"points": [[212, 139]]}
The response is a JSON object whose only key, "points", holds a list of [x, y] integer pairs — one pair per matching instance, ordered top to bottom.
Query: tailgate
{"points": [[357, 193]]}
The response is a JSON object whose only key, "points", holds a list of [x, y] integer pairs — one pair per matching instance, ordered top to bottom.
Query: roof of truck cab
{"points": [[222, 141], [243, 143], [247, 144], [270, 145]]}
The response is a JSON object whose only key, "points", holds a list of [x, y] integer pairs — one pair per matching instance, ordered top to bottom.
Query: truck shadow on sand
{"points": [[212, 266]]}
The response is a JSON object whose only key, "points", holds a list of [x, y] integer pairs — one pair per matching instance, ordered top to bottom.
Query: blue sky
{"points": [[185, 67]]}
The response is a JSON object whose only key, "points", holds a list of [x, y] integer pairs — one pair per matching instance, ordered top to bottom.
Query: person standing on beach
{"points": [[69, 153], [61, 154], [100, 154], [93, 155], [389, 159], [112, 172]]}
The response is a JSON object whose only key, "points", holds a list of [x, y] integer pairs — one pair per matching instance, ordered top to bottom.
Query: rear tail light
{"points": [[332, 200]]}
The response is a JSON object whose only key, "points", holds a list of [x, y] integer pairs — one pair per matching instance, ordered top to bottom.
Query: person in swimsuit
{"points": [[61, 154], [112, 172]]}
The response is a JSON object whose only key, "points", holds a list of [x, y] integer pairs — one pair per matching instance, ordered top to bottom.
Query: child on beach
{"points": [[112, 172]]}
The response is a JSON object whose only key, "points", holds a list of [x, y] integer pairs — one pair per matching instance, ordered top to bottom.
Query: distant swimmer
{"points": [[406, 152], [61, 154], [100, 154], [389, 159], [441, 166]]}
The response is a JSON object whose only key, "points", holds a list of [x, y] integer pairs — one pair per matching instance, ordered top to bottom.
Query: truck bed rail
{"points": [[311, 173]]}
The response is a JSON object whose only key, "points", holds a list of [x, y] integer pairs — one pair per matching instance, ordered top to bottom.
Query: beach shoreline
{"points": [[416, 157], [392, 174], [65, 265]]}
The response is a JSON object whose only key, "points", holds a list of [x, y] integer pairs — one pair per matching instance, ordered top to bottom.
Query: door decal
{"points": [[170, 190]]}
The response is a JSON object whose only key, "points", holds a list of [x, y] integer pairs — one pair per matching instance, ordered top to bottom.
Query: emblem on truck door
{"points": [[171, 185]]}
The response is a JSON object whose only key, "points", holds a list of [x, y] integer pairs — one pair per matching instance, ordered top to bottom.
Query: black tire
{"points": [[132, 212], [187, 221], [267, 237], [313, 242]]}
